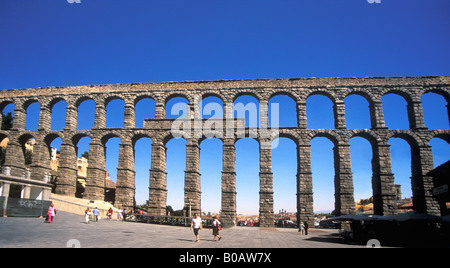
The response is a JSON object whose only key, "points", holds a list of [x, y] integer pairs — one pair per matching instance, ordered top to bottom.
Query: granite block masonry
{"points": [[160, 131]]}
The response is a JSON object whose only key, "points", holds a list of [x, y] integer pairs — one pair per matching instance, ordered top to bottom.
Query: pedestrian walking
{"points": [[95, 212], [110, 212], [51, 213], [124, 214], [87, 215], [119, 215], [196, 225], [216, 225], [306, 228], [302, 229]]}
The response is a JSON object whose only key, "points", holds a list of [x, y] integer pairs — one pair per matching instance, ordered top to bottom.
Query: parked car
{"points": [[286, 224]]}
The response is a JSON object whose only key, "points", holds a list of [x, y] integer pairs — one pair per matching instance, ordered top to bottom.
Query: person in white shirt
{"points": [[196, 225], [216, 227]]}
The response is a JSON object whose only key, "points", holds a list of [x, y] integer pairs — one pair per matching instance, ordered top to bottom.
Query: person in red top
{"points": [[110, 212]]}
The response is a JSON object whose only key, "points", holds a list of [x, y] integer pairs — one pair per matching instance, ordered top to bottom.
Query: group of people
{"points": [[95, 213], [197, 224]]}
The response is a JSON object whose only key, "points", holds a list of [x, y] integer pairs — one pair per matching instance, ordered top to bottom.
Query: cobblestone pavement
{"points": [[18, 232]]}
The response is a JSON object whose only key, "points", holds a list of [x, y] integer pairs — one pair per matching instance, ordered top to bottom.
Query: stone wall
{"points": [[159, 130]]}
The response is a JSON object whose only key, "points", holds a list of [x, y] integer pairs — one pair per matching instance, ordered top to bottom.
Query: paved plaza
{"points": [[18, 232]]}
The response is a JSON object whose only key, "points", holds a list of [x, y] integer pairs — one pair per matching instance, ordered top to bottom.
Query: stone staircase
{"points": [[78, 205]]}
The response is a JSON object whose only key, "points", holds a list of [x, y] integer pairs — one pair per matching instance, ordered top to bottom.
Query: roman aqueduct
{"points": [[159, 130]]}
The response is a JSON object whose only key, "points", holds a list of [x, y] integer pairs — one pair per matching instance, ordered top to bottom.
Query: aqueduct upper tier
{"points": [[159, 130]]}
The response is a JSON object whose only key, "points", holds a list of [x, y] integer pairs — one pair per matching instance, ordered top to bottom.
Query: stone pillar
{"points": [[160, 112], [263, 115], [301, 115], [339, 115], [377, 115], [415, 115], [100, 116], [129, 116], [45, 117], [19, 118], [71, 118], [229, 122], [14, 158], [40, 160], [67, 170], [96, 174], [343, 180], [422, 185], [125, 187], [192, 188], [384, 197], [157, 200], [305, 211], [266, 214], [228, 215]]}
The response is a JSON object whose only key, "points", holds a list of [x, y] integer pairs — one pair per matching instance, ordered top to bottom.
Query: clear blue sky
{"points": [[54, 43]]}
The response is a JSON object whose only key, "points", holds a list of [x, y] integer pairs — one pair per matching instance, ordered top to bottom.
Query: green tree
{"points": [[7, 121]]}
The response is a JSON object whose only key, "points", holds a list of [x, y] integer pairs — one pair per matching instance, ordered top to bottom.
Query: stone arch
{"points": [[286, 92], [322, 92], [403, 92], [239, 93], [176, 95], [141, 96], [446, 96], [329, 97], [367, 97], [81, 99], [30, 101], [5, 103], [179, 105], [413, 106], [144, 108], [210, 109], [289, 109], [254, 112], [120, 116], [87, 117], [55, 119], [34, 121], [325, 134], [440, 134], [108, 135], [78, 136], [25, 139], [142, 147], [211, 152], [443, 155], [421, 163], [285, 177], [323, 177], [247, 180], [374, 181], [182, 184]]}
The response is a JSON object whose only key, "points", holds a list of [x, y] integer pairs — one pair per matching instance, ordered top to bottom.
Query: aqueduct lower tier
{"points": [[159, 130]]}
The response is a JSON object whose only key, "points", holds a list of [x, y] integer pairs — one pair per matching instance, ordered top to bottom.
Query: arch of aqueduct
{"points": [[159, 130]]}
